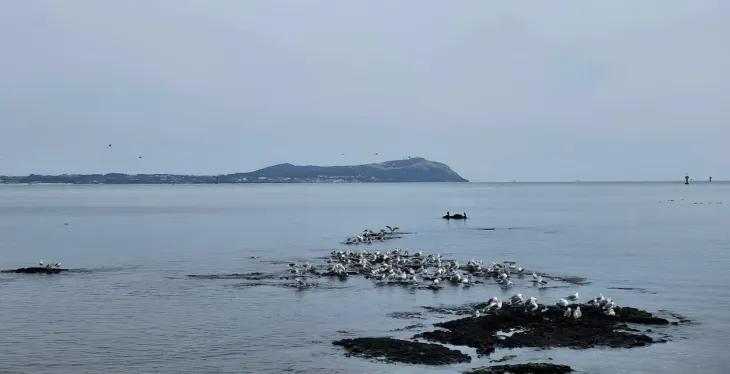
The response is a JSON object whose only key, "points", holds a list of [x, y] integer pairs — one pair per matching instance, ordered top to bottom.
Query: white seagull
{"points": [[577, 313]]}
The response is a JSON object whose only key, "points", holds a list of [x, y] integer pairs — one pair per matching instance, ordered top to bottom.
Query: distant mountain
{"points": [[415, 169]]}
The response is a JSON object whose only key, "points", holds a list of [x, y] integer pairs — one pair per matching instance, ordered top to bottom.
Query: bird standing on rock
{"points": [[577, 313]]}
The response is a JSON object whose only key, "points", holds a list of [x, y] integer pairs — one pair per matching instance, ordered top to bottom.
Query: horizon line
{"points": [[704, 181]]}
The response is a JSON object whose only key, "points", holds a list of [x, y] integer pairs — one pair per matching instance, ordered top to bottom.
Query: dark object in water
{"points": [[454, 216], [36, 270], [548, 329], [397, 350], [530, 368]]}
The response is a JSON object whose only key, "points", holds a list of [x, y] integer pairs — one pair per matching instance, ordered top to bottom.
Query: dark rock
{"points": [[36, 270], [545, 329], [396, 350], [531, 368]]}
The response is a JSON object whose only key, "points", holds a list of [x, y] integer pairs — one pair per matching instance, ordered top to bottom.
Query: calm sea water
{"points": [[135, 310]]}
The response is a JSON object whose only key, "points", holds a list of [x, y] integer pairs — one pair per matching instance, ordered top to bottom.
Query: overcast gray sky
{"points": [[498, 90]]}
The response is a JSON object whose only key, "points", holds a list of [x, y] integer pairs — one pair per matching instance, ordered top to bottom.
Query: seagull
{"points": [[40, 263], [572, 297], [517, 299], [562, 302], [495, 305], [568, 312], [577, 312], [610, 312]]}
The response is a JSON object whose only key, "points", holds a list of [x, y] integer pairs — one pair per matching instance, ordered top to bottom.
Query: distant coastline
{"points": [[398, 171]]}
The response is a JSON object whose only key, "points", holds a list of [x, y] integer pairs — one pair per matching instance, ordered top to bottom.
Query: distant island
{"points": [[415, 169]]}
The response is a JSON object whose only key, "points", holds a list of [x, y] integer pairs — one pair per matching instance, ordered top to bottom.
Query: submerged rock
{"points": [[36, 270], [255, 276], [406, 315], [410, 327], [513, 327], [397, 350], [503, 359], [531, 368]]}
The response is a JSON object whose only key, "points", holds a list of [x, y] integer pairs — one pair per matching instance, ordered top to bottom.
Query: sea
{"points": [[130, 306]]}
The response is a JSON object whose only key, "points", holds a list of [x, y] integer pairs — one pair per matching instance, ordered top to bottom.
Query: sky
{"points": [[498, 90]]}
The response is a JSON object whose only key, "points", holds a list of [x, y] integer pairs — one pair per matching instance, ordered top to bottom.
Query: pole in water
{"points": [[686, 179]]}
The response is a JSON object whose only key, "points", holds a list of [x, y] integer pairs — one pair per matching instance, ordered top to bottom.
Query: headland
{"points": [[409, 170]]}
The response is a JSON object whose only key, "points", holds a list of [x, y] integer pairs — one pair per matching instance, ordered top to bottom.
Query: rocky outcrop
{"points": [[36, 270], [514, 327], [396, 350], [531, 368]]}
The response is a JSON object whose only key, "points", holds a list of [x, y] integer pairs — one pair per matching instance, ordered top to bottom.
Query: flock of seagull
{"points": [[367, 236], [51, 265], [401, 267], [416, 269], [531, 305]]}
